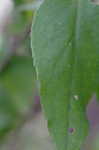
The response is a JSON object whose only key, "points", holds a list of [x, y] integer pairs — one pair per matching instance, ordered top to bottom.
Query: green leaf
{"points": [[19, 2], [21, 17], [65, 42], [18, 79], [17, 87], [8, 113]]}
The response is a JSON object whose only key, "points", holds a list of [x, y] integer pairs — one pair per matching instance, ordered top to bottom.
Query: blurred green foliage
{"points": [[19, 2], [17, 76], [18, 79], [17, 82], [18, 87]]}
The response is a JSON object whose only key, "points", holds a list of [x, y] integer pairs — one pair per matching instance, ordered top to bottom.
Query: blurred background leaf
{"points": [[17, 75], [18, 79], [22, 125]]}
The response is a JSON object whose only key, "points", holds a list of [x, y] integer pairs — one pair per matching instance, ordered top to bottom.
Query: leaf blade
{"points": [[64, 51]]}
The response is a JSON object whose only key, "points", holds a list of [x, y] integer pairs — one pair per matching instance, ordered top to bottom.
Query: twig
{"points": [[14, 43]]}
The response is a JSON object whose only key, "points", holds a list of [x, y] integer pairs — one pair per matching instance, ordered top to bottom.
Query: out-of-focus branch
{"points": [[95, 1], [30, 6], [14, 43]]}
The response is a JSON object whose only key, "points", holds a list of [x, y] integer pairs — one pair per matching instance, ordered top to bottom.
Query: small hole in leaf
{"points": [[95, 2], [71, 130]]}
